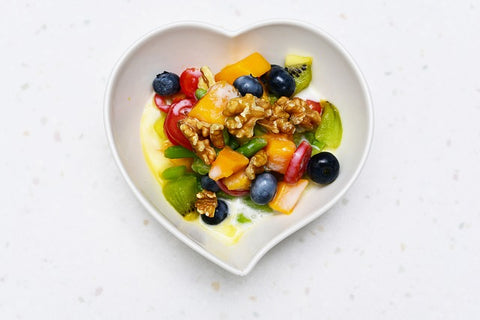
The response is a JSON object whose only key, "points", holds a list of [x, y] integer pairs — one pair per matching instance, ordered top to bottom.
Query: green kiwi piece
{"points": [[300, 68], [302, 74], [181, 193]]}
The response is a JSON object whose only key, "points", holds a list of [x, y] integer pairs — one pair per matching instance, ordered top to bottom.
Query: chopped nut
{"points": [[207, 79], [242, 113], [288, 113], [194, 130], [216, 135], [256, 164], [206, 203]]}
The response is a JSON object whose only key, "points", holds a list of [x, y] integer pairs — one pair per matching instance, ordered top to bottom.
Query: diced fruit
{"points": [[293, 59], [255, 65], [301, 70], [189, 81], [279, 82], [166, 83], [248, 84], [161, 103], [314, 105], [210, 107], [177, 112], [329, 131], [252, 147], [279, 150], [177, 152], [227, 163], [298, 164], [199, 166], [323, 168], [173, 173], [237, 181], [209, 184], [264, 188], [181, 193], [233, 193], [287, 196], [221, 212]]}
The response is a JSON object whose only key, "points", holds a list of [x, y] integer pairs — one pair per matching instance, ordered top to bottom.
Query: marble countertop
{"points": [[404, 243]]}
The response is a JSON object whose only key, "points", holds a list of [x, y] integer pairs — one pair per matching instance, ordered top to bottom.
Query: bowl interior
{"points": [[335, 77]]}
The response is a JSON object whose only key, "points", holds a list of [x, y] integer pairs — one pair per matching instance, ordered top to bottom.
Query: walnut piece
{"points": [[207, 79], [242, 113], [288, 113], [198, 134], [256, 164], [206, 203]]}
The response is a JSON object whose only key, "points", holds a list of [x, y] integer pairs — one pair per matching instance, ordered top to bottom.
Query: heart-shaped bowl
{"points": [[174, 47]]}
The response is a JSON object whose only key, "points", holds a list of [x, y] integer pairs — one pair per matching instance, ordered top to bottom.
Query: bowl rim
{"points": [[107, 114]]}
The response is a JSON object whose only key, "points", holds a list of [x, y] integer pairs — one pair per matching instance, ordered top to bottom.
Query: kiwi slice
{"points": [[300, 68], [181, 193]]}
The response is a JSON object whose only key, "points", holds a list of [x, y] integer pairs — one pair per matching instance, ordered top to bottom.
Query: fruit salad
{"points": [[241, 143]]}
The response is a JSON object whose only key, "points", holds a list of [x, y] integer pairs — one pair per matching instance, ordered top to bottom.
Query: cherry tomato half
{"points": [[189, 81], [161, 103], [314, 105], [177, 112], [298, 164], [235, 193]]}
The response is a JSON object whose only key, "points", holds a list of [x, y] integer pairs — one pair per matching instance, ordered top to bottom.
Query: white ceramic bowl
{"points": [[176, 46]]}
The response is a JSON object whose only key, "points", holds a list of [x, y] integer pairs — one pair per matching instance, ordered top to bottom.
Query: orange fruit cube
{"points": [[255, 64], [210, 107], [227, 163], [287, 196]]}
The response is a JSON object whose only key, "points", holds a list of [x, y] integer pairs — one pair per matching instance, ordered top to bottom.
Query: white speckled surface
{"points": [[403, 244]]}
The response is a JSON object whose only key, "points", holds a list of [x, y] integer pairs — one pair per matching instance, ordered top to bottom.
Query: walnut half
{"points": [[207, 79], [242, 113], [289, 115], [199, 134], [256, 164], [206, 203]]}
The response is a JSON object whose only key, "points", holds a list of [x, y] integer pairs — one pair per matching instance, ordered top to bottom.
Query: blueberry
{"points": [[279, 82], [166, 83], [248, 84], [323, 168], [209, 184], [263, 188], [221, 212]]}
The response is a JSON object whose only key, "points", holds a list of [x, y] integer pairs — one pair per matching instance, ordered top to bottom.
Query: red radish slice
{"points": [[161, 103], [314, 105], [177, 112], [298, 164], [235, 193]]}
